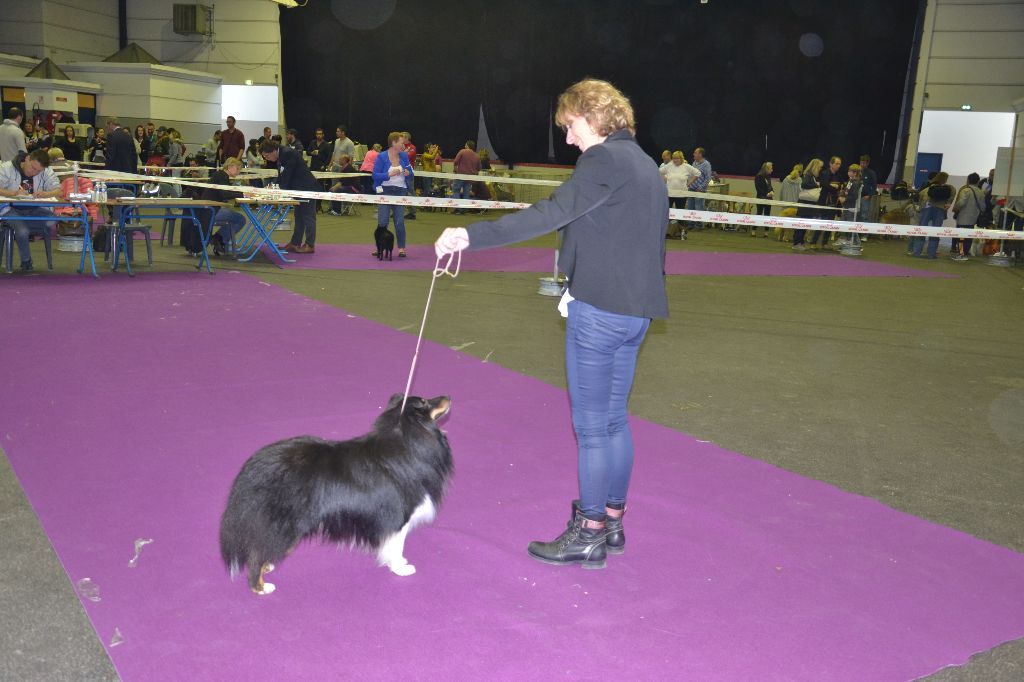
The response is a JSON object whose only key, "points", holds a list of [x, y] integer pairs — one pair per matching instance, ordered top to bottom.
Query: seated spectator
{"points": [[28, 175], [349, 185], [228, 220]]}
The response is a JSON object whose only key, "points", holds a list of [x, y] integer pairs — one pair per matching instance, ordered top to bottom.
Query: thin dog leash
{"points": [[439, 271]]}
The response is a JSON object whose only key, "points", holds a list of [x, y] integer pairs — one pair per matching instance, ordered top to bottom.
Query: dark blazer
{"points": [[121, 156], [292, 171], [762, 185], [612, 213]]}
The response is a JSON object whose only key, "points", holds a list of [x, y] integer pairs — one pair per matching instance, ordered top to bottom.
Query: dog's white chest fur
{"points": [[390, 552]]}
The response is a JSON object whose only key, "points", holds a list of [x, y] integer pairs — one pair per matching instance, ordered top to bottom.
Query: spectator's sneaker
{"points": [[335, 213], [799, 247], [26, 266]]}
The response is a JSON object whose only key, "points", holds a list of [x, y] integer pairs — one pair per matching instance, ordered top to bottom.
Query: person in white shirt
{"points": [[12, 137], [678, 176]]}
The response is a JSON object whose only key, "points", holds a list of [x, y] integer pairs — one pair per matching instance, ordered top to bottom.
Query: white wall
{"points": [[63, 30], [245, 45], [972, 52], [253, 106], [967, 140]]}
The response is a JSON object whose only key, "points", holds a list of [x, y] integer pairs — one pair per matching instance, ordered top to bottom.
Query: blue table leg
{"points": [[87, 245]]}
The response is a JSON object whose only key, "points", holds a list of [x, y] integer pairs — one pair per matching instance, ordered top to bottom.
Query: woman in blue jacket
{"points": [[390, 172], [612, 214]]}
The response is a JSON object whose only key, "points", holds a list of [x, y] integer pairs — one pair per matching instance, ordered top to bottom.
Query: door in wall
{"points": [[927, 163]]}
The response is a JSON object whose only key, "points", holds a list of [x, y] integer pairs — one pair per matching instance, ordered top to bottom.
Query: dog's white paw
{"points": [[267, 568], [403, 569], [267, 588]]}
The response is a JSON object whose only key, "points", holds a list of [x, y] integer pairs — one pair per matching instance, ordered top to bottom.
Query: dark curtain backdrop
{"points": [[813, 78]]}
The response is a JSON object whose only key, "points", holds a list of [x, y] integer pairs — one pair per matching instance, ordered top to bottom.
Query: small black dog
{"points": [[385, 242], [369, 491]]}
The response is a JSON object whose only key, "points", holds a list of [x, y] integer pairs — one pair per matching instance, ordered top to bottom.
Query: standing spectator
{"points": [[267, 135], [12, 137], [151, 139], [291, 139], [232, 142], [70, 145], [142, 145], [342, 145], [98, 148], [175, 148], [209, 150], [410, 151], [319, 152], [121, 158], [370, 159], [666, 159], [467, 162], [390, 172], [293, 173], [28, 174], [678, 176], [830, 182], [701, 183], [868, 188], [763, 189], [789, 191], [810, 192], [938, 195], [849, 198], [969, 204], [1013, 213], [612, 216]]}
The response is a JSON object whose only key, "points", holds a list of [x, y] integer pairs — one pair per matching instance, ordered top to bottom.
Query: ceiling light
{"points": [[286, 3], [965, 107]]}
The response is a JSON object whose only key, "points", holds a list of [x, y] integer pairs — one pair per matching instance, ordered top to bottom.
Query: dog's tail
{"points": [[233, 547]]}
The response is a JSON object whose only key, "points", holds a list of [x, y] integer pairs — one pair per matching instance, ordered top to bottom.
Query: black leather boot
{"points": [[614, 535], [581, 543]]}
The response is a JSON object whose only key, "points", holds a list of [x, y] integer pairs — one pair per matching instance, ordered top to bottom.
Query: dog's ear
{"points": [[395, 401], [439, 406]]}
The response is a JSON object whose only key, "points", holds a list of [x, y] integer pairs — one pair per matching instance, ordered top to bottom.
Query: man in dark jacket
{"points": [[121, 156], [293, 173]]}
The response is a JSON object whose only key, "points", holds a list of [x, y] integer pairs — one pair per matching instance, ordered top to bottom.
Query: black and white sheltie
{"points": [[368, 491]]}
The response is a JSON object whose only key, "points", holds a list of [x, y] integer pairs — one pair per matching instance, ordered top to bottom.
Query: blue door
{"points": [[927, 163]]}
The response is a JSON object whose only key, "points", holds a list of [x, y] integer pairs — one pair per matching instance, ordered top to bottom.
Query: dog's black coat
{"points": [[385, 242], [361, 491]]}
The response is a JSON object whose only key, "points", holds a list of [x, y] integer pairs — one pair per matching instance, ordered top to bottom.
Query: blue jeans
{"points": [[460, 190], [695, 204], [396, 211], [933, 216], [230, 222], [22, 228], [600, 359]]}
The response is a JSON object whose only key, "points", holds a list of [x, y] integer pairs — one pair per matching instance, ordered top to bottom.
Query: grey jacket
{"points": [[12, 140], [10, 179], [970, 201], [612, 213]]}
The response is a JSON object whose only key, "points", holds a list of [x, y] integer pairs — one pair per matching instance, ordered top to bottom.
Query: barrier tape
{"points": [[723, 217]]}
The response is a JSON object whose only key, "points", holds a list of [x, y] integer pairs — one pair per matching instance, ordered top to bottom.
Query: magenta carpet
{"points": [[530, 259], [734, 569]]}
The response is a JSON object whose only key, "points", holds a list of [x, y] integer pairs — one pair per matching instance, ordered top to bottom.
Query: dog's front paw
{"points": [[403, 569], [267, 589]]}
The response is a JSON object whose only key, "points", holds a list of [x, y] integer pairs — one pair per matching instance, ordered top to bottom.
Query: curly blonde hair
{"points": [[604, 107]]}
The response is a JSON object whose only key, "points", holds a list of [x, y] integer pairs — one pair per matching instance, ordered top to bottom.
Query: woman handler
{"points": [[612, 214]]}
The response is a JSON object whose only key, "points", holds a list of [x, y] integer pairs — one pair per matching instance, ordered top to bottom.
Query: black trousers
{"points": [[305, 223]]}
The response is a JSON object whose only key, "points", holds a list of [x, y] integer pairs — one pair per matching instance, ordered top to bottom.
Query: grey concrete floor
{"points": [[908, 391]]}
